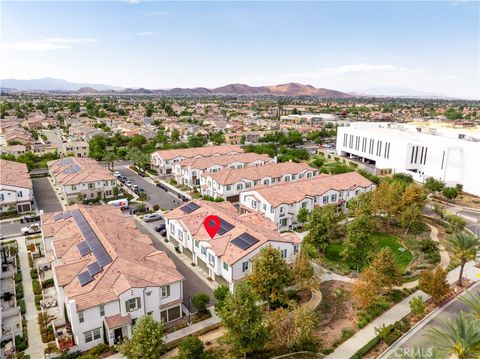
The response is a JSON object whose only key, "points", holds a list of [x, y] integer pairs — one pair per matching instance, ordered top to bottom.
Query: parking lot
{"points": [[155, 195], [45, 197], [192, 284]]}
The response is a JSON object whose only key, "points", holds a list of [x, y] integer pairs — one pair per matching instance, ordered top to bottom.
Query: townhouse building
{"points": [[77, 148], [420, 151], [163, 161], [188, 172], [76, 176], [229, 182], [16, 191], [282, 202], [227, 258], [107, 274]]}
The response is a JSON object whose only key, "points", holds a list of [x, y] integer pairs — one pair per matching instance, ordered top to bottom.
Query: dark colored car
{"points": [[122, 179], [139, 191], [160, 227], [163, 232]]}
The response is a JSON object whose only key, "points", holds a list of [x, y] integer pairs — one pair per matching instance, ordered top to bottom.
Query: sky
{"points": [[431, 47]]}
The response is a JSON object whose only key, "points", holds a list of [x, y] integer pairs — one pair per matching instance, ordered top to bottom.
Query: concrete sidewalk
{"points": [[397, 312], [35, 343]]}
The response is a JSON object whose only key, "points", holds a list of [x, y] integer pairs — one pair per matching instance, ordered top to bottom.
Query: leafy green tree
{"points": [[175, 135], [217, 138], [197, 141], [139, 158], [434, 185], [115, 191], [450, 192], [302, 215], [411, 218], [324, 226], [358, 245], [464, 247], [385, 268], [270, 276], [304, 276], [434, 283], [220, 293], [200, 302], [417, 306], [243, 318], [458, 338], [147, 340], [191, 348]]}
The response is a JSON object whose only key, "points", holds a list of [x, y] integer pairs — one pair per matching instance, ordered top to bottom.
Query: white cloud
{"points": [[133, 1], [146, 33], [55, 43], [361, 69]]}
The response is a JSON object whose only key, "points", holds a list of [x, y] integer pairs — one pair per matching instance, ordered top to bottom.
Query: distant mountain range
{"points": [[51, 85], [58, 85]]}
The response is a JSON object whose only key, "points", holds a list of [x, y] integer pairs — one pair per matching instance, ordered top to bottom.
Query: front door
{"points": [[117, 334]]}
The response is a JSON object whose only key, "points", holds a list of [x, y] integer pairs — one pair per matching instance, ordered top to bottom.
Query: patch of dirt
{"points": [[337, 312]]}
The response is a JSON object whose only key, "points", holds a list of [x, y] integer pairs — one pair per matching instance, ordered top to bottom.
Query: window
{"points": [[309, 175], [287, 178], [265, 182], [91, 185], [248, 185], [239, 186], [74, 187], [229, 188], [19, 194], [2, 197], [333, 198], [325, 199], [254, 204], [304, 204], [264, 207], [282, 209], [172, 228], [180, 234], [196, 243], [295, 249], [203, 250], [283, 253], [211, 259], [225, 266], [244, 266], [165, 291], [149, 293], [133, 304], [102, 310], [81, 319], [92, 335]]}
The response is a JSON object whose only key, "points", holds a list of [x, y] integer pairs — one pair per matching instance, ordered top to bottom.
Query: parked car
{"points": [[117, 174], [122, 179], [128, 183], [159, 185], [134, 187], [139, 191], [152, 217], [29, 219], [160, 227], [31, 229], [163, 232]]}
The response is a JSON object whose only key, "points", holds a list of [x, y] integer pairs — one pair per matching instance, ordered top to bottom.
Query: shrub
{"points": [[156, 207], [30, 260], [34, 273], [18, 277], [48, 283], [37, 289], [19, 291], [38, 298], [200, 302], [22, 305], [417, 306], [392, 337], [21, 343], [190, 348], [366, 348], [99, 349]]}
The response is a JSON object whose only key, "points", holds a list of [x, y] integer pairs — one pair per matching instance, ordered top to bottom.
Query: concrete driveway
{"points": [[155, 194], [45, 197]]}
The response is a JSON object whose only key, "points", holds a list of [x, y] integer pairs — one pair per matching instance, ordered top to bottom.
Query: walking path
{"points": [[397, 312], [185, 332], [35, 343]]}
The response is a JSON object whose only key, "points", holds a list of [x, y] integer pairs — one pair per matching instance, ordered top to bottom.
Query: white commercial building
{"points": [[447, 154], [281, 203], [107, 274]]}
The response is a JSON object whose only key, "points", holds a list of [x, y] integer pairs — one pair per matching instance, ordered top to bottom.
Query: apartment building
{"points": [[77, 148], [15, 150], [421, 151], [163, 161], [188, 172], [83, 176], [229, 182], [16, 191], [281, 202], [228, 257], [107, 274]]}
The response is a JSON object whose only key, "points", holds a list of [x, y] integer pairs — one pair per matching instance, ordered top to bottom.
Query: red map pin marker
{"points": [[212, 225]]}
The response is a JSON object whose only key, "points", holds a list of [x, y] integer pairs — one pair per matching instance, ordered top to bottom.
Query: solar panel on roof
{"points": [[66, 161], [189, 207], [224, 227], [244, 241], [83, 248], [94, 268], [84, 278]]}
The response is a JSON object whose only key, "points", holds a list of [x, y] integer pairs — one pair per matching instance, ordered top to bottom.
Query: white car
{"points": [[117, 174], [128, 183], [134, 187], [152, 217], [31, 229]]}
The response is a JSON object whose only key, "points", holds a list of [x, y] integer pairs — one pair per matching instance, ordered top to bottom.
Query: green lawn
{"points": [[332, 252]]}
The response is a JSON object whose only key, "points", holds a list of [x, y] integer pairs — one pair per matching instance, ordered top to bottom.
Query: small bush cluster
{"points": [[34, 273], [48, 283], [37, 288], [21, 343]]}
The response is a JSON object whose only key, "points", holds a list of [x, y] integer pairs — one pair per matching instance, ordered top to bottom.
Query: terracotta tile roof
{"points": [[200, 151], [223, 160], [75, 170], [274, 170], [14, 174], [294, 192], [252, 223], [135, 262], [117, 320]]}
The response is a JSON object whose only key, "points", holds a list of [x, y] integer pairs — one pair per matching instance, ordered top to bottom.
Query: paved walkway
{"points": [[397, 312], [185, 332], [35, 344]]}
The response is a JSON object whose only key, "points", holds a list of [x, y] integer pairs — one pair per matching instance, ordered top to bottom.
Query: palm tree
{"points": [[110, 158], [464, 247], [473, 301], [459, 338]]}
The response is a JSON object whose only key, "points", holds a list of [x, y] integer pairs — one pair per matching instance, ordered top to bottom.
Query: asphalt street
{"points": [[155, 194], [192, 285]]}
